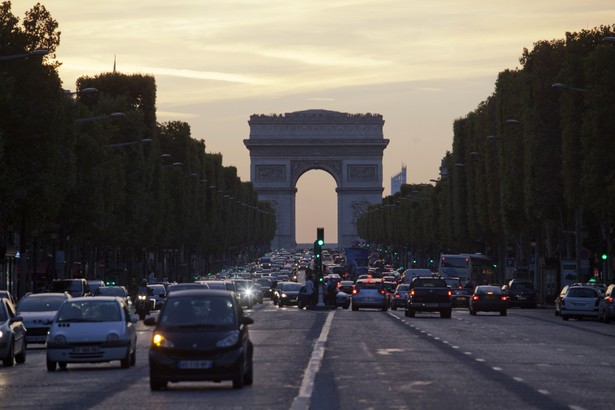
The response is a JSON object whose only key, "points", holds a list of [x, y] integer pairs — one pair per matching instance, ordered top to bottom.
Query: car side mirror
{"points": [[246, 320], [150, 321]]}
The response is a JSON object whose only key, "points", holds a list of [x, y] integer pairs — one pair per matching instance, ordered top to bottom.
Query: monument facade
{"points": [[347, 146]]}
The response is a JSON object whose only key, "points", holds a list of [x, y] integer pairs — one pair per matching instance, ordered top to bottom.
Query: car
{"points": [[95, 284], [265, 285], [185, 286], [346, 286], [76, 287], [119, 291], [246, 291], [287, 293], [369, 293], [521, 293], [159, 294], [428, 294], [460, 296], [398, 298], [488, 298], [342, 299], [558, 300], [580, 301], [606, 307], [38, 311], [92, 330], [12, 335], [200, 335]]}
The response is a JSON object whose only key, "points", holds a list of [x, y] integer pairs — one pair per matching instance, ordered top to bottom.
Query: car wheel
{"points": [[300, 304], [346, 306], [393, 307], [355, 308], [385, 308], [472, 312], [503, 312], [410, 313], [446, 314], [141, 316], [564, 317], [600, 318], [607, 318], [133, 357], [20, 358], [9, 360], [125, 362], [51, 365], [62, 365], [239, 378], [248, 378], [156, 384]]}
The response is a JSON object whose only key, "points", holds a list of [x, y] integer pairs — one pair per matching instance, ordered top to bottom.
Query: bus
{"points": [[474, 267]]}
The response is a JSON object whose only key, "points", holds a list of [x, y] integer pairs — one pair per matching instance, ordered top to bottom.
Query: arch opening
{"points": [[316, 206]]}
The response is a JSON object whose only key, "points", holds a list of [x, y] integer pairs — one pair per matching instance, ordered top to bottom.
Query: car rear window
{"points": [[430, 283], [369, 285], [521, 286], [581, 293]]}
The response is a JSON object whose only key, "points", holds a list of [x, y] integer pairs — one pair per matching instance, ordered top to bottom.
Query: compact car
{"points": [[288, 292], [369, 293], [521, 293], [159, 294], [398, 298], [488, 299], [579, 302], [606, 307], [38, 311], [92, 330], [12, 335], [200, 335]]}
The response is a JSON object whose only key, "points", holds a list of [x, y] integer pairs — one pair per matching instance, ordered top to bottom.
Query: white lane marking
{"points": [[518, 379], [545, 392], [302, 401], [575, 407]]}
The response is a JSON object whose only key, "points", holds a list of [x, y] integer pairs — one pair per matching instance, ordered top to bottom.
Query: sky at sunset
{"points": [[421, 64]]}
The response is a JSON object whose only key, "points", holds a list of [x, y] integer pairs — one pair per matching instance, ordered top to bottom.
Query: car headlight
{"points": [[248, 292], [283, 295], [142, 297], [1, 334], [113, 338], [59, 340], [159, 340], [230, 340]]}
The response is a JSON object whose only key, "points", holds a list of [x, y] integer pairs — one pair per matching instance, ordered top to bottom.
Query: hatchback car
{"points": [[76, 287], [119, 291], [288, 292], [369, 293], [521, 293], [398, 298], [488, 299], [580, 301], [606, 307], [38, 311], [92, 330], [12, 335], [200, 335]]}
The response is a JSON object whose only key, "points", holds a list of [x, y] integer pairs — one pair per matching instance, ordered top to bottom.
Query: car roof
{"points": [[198, 292]]}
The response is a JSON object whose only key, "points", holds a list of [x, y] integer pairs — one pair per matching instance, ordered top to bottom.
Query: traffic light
{"points": [[318, 244], [604, 256]]}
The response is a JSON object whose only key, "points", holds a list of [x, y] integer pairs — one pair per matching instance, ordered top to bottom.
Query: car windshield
{"points": [[66, 285], [369, 285], [185, 286], [291, 286], [522, 286], [402, 288], [483, 290], [110, 292], [40, 304], [90, 311], [196, 311]]}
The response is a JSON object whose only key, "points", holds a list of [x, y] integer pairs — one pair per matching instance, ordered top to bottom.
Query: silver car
{"points": [[369, 293], [579, 302], [37, 311], [92, 330], [12, 335]]}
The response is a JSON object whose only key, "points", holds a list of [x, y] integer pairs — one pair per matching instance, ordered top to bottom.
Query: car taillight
{"points": [[355, 291], [381, 291], [412, 292], [450, 293], [397, 295], [475, 297], [504, 298], [610, 299]]}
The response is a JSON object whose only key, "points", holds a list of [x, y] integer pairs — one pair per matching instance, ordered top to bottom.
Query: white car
{"points": [[579, 302], [37, 311], [92, 330]]}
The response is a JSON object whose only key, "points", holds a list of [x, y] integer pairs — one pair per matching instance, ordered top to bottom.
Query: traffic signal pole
{"points": [[318, 244]]}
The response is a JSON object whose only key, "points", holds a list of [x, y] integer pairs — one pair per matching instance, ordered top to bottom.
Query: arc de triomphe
{"points": [[347, 146]]}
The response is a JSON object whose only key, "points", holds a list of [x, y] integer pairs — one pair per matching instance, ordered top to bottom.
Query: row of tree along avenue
{"points": [[531, 175], [92, 185]]}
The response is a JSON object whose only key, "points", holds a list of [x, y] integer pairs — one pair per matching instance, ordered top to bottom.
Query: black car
{"points": [[287, 293], [521, 293], [488, 299], [200, 335]]}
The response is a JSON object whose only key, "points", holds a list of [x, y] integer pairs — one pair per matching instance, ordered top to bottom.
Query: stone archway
{"points": [[348, 146]]}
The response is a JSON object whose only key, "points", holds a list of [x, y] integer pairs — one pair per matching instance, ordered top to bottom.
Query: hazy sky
{"points": [[419, 63]]}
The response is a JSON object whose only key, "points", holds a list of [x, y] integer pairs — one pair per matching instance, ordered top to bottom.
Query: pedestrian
{"points": [[309, 289]]}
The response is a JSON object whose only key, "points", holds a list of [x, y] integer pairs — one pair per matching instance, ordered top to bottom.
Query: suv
{"points": [[76, 287], [521, 293]]}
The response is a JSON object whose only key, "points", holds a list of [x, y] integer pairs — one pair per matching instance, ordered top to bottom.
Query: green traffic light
{"points": [[320, 242], [604, 256]]}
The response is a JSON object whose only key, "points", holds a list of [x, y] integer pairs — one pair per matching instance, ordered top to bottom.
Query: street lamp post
{"points": [[39, 52]]}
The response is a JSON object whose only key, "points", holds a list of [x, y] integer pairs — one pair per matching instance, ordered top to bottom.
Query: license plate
{"points": [[462, 298], [521, 298], [431, 305], [86, 349], [195, 364]]}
